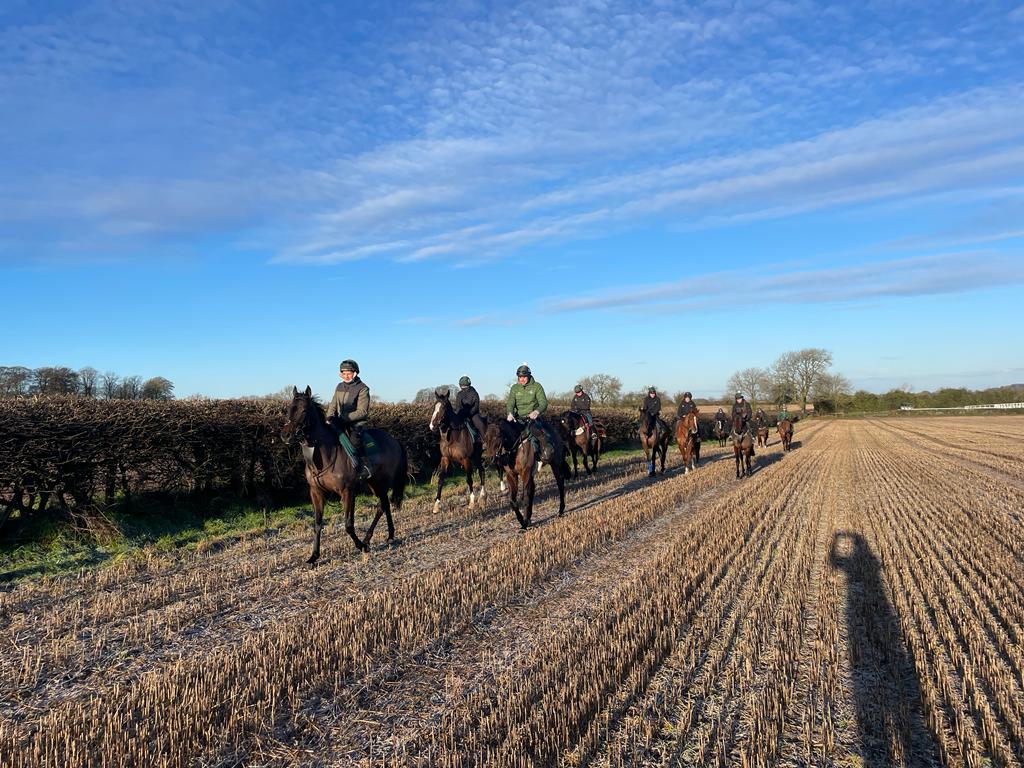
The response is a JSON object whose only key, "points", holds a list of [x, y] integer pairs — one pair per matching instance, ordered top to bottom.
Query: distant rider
{"points": [[467, 405], [650, 410]]}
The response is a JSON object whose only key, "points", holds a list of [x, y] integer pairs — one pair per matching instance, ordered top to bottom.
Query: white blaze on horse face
{"points": [[434, 415]]}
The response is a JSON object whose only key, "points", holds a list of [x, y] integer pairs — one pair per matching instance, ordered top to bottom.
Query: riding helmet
{"points": [[349, 365], [524, 370], [464, 381], [578, 388], [652, 391], [688, 394], [739, 395]]}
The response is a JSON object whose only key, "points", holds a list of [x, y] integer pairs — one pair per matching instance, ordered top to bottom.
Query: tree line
{"points": [[19, 381]]}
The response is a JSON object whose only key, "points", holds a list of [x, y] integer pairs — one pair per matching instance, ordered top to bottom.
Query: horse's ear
{"points": [[295, 390], [309, 392]]}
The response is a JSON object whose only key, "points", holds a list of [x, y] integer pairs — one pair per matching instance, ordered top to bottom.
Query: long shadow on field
{"points": [[885, 685]]}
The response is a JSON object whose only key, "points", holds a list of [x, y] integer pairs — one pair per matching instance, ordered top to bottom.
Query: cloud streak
{"points": [[930, 275]]}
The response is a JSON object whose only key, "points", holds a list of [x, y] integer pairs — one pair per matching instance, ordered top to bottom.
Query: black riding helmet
{"points": [[349, 365], [523, 370], [464, 381], [578, 388]]}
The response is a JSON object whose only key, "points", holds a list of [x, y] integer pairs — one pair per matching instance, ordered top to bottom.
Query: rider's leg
{"points": [[355, 436]]}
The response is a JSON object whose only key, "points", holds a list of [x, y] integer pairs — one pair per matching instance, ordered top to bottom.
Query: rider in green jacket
{"points": [[528, 402]]}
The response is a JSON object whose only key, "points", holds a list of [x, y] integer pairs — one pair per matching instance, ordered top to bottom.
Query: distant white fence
{"points": [[1002, 406]]}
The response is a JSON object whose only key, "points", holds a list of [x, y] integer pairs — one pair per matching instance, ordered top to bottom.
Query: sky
{"points": [[239, 195]]}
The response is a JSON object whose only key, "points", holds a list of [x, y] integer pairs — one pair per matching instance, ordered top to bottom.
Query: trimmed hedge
{"points": [[74, 456]]}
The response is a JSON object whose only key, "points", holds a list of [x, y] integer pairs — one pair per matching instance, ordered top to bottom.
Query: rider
{"points": [[526, 400], [581, 405], [686, 405], [467, 406], [741, 408], [650, 409], [349, 410], [783, 413], [720, 416], [761, 419]]}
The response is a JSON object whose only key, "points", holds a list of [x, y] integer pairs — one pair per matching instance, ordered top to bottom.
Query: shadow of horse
{"points": [[886, 689]]}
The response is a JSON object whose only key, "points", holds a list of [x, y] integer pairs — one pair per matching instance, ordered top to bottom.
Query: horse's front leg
{"points": [[467, 465], [442, 470], [512, 481], [560, 482], [529, 488], [317, 497], [348, 498]]}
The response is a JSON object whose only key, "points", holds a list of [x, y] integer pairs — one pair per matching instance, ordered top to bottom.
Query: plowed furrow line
{"points": [[37, 668], [956, 674]]}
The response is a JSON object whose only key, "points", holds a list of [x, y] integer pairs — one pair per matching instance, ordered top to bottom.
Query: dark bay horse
{"points": [[721, 430], [786, 433], [688, 438], [582, 440], [655, 444], [457, 445], [507, 446], [742, 446], [330, 470]]}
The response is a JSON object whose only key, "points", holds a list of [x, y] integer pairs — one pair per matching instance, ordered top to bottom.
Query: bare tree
{"points": [[799, 371], [14, 380], [54, 380], [87, 380], [754, 383], [110, 385], [602, 387], [831, 387], [130, 388], [158, 388]]}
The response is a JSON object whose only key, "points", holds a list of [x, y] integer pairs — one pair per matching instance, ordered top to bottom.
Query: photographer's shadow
{"points": [[886, 689]]}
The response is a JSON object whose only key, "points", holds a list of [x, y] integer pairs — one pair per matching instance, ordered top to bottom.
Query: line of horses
{"points": [[510, 447]]}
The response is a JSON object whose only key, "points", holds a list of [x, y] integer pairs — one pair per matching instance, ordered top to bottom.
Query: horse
{"points": [[785, 428], [721, 429], [762, 433], [688, 438], [582, 440], [655, 444], [742, 445], [458, 446], [508, 446], [330, 470]]}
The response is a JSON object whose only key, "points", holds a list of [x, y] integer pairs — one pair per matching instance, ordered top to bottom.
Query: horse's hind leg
{"points": [[317, 497], [348, 498], [383, 508]]}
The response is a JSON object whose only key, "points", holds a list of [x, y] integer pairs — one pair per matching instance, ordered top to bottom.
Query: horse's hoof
{"points": [[472, 500], [437, 506]]}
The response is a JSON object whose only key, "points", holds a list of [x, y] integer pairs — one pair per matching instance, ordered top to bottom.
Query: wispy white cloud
{"points": [[934, 274]]}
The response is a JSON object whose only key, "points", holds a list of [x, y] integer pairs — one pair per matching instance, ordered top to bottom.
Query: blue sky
{"points": [[239, 195]]}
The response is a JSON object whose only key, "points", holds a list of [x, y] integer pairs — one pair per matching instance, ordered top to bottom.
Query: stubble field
{"points": [[857, 601]]}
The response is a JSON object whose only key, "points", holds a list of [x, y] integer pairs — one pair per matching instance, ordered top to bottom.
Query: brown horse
{"points": [[761, 425], [721, 430], [786, 433], [688, 439], [582, 440], [655, 444], [458, 446], [508, 446], [742, 446], [330, 470]]}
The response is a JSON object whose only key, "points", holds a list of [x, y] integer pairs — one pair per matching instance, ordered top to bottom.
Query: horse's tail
{"points": [[402, 476]]}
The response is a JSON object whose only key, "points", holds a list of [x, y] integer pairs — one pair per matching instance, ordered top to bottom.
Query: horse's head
{"points": [[441, 416], [691, 422], [737, 423], [296, 425], [492, 442]]}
